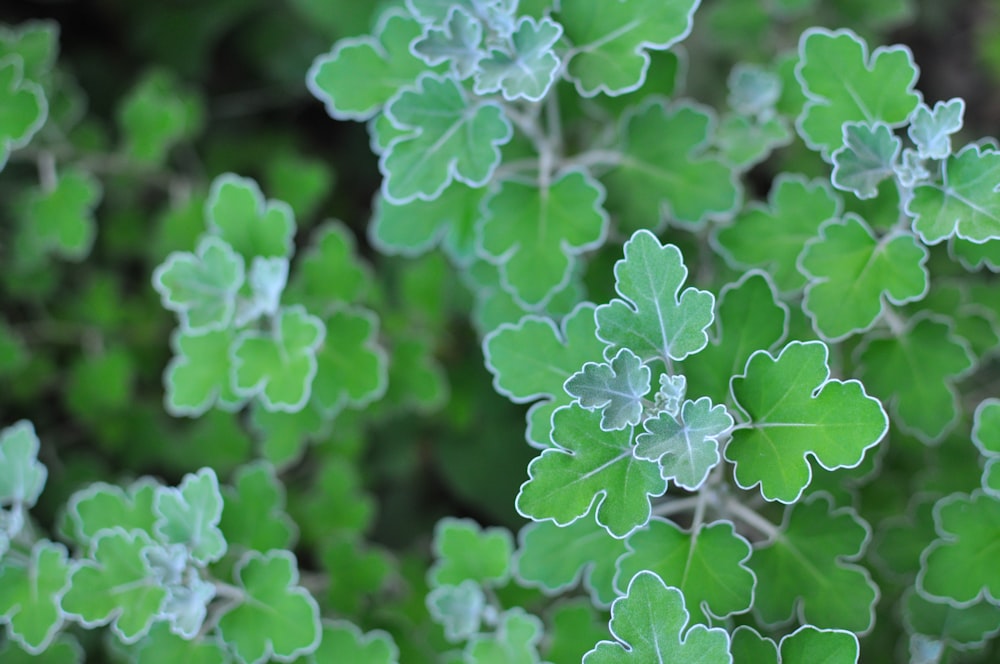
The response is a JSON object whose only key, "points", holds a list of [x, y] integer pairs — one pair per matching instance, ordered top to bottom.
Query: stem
{"points": [[593, 158], [47, 175], [896, 324], [676, 506], [752, 519], [229, 591]]}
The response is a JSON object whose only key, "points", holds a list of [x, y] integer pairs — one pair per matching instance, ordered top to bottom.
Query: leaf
{"points": [[434, 12], [610, 41], [456, 43], [529, 70], [360, 74], [843, 84], [753, 89], [25, 108], [155, 115], [931, 129], [448, 138], [745, 142], [868, 155], [663, 173], [967, 202], [237, 212], [61, 216], [535, 233], [772, 237], [330, 270], [853, 274], [267, 279], [201, 287], [748, 317], [655, 319], [533, 358], [279, 366], [351, 368], [914, 371], [198, 375], [617, 388], [794, 410], [686, 448], [588, 466], [22, 476], [102, 506], [189, 515], [254, 515], [464, 551], [556, 558], [708, 566], [807, 571], [359, 575], [116, 585], [30, 596], [458, 609], [276, 617], [649, 624], [571, 627], [960, 628], [343, 640], [515, 640], [806, 645], [162, 646], [64, 649]]}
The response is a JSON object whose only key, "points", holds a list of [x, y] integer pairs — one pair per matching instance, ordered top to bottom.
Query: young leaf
{"points": [[610, 41], [456, 42], [529, 70], [361, 74], [843, 84], [753, 89], [24, 104], [931, 130], [448, 138], [868, 155], [663, 174], [966, 204], [237, 212], [63, 217], [535, 233], [772, 237], [853, 274], [267, 279], [201, 287], [655, 319], [279, 366], [351, 368], [913, 372], [197, 377], [616, 388], [794, 410], [685, 446], [587, 466], [22, 476], [103, 506], [189, 515], [465, 551], [708, 566], [807, 571], [115, 584], [30, 596], [458, 609], [276, 617], [649, 624], [342, 640], [515, 641]]}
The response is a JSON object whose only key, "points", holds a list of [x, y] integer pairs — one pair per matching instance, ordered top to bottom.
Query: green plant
{"points": [[761, 427]]}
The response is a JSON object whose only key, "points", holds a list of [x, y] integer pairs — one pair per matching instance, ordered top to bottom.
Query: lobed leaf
{"points": [[456, 43], [529, 70], [24, 105], [931, 129], [868, 155], [237, 212], [62, 216], [201, 287], [351, 367], [198, 375], [616, 388], [22, 475], [102, 506], [254, 514], [189, 515], [465, 551], [30, 596], [458, 609], [344, 640], [515, 641]]}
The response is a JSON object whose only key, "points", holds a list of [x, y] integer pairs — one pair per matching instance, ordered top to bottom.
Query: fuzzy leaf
{"points": [[456, 42], [530, 69], [25, 108], [155, 115], [931, 129], [868, 155], [967, 202], [237, 212], [63, 217], [329, 271], [201, 287], [351, 368], [197, 377], [616, 388], [795, 410], [686, 447], [22, 476], [101, 506], [254, 514], [189, 515], [465, 551], [29, 596], [458, 609], [342, 640], [515, 640]]}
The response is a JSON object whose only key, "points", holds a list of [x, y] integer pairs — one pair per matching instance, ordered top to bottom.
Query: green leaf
{"points": [[610, 41], [36, 42], [456, 42], [529, 70], [360, 74], [843, 84], [753, 89], [25, 108], [155, 115], [931, 130], [448, 138], [745, 142], [868, 156], [663, 173], [966, 204], [237, 212], [62, 216], [535, 233], [772, 237], [975, 256], [330, 270], [853, 275], [266, 281], [201, 287], [748, 317], [655, 319], [533, 358], [278, 367], [351, 368], [913, 371], [198, 376], [616, 388], [795, 410], [685, 447], [587, 466], [22, 476], [103, 506], [189, 515], [254, 515], [465, 551], [555, 558], [708, 566], [807, 570], [359, 575], [115, 584], [29, 596], [458, 609], [276, 617], [649, 624], [572, 626], [960, 628], [515, 640], [343, 641], [809, 644], [162, 646], [749, 647], [64, 649]]}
